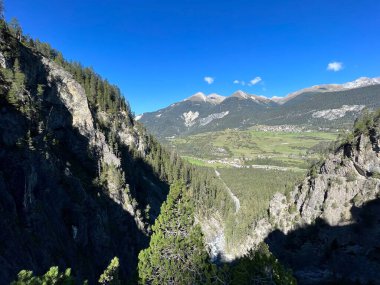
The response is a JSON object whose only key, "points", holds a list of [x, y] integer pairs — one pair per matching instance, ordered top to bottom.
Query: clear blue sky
{"points": [[159, 52]]}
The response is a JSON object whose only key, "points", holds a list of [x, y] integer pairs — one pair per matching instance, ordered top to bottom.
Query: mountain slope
{"points": [[326, 106], [78, 182], [82, 182], [332, 215]]}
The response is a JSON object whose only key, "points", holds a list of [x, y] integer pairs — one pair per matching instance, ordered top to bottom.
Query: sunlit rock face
{"points": [[73, 179], [326, 228]]}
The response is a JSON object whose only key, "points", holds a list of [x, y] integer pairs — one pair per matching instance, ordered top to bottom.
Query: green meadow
{"points": [[253, 147], [269, 162]]}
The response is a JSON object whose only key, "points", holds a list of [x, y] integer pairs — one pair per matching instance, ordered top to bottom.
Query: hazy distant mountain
{"points": [[328, 106]]}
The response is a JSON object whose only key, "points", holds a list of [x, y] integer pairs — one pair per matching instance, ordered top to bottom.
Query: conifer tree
{"points": [[15, 28], [18, 84], [176, 253], [111, 275], [52, 276]]}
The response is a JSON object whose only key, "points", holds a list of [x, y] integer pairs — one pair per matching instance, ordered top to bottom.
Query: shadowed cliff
{"points": [[73, 192], [324, 254]]}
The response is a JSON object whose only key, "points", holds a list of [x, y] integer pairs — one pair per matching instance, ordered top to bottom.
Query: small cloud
{"points": [[335, 66], [209, 79], [255, 81], [241, 82], [250, 83]]}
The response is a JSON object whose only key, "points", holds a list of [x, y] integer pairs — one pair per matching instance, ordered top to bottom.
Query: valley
{"points": [[258, 147], [293, 150], [253, 165], [212, 189]]}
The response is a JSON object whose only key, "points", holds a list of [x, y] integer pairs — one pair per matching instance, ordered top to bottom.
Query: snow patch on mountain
{"points": [[361, 82], [358, 83], [240, 94], [201, 97], [215, 98], [333, 114], [158, 115], [138, 117], [212, 117], [190, 118]]}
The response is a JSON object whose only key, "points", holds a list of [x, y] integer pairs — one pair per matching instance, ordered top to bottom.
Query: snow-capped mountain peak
{"points": [[361, 82], [358, 83], [240, 94], [200, 96], [215, 98], [332, 106]]}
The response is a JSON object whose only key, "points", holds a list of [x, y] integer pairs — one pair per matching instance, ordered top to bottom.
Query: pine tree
{"points": [[15, 28], [59, 59], [18, 85], [176, 252], [111, 275], [52, 276]]}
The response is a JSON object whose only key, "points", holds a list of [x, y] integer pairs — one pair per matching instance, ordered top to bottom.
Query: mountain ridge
{"points": [[217, 98], [311, 107]]}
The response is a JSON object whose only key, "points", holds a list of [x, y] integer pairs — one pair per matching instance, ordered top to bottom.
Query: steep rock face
{"points": [[72, 95], [347, 178], [73, 181], [327, 229]]}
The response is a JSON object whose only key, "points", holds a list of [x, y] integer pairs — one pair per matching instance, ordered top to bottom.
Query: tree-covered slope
{"points": [[82, 182], [75, 193]]}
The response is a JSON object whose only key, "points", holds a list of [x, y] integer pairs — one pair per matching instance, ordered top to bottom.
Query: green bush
{"points": [[52, 277]]}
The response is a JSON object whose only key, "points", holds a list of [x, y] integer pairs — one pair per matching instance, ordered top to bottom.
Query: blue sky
{"points": [[159, 52]]}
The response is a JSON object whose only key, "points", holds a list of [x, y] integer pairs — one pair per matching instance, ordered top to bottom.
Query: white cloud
{"points": [[335, 66], [209, 79], [255, 81], [252, 82]]}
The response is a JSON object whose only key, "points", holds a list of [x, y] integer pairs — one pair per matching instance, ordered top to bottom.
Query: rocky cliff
{"points": [[76, 183], [327, 229]]}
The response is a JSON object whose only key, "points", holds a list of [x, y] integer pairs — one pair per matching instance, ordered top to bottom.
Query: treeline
{"points": [[101, 94], [206, 190], [176, 254], [54, 276]]}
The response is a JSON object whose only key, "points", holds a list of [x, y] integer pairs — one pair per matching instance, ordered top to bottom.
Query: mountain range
{"points": [[319, 106], [83, 183]]}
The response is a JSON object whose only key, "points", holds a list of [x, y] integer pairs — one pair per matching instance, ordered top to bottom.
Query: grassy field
{"points": [[255, 147], [285, 155]]}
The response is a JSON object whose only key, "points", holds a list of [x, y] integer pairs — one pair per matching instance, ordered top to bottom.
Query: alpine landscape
{"points": [[261, 181]]}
